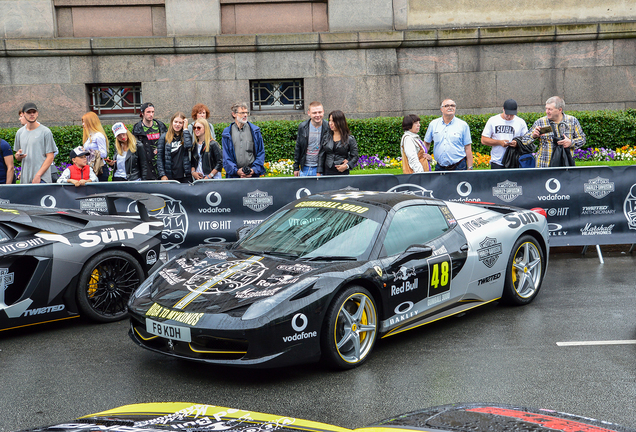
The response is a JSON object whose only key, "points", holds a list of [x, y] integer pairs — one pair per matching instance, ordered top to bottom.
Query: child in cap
{"points": [[80, 172]]}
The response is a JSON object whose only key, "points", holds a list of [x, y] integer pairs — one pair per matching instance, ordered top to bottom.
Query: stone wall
{"points": [[365, 74]]}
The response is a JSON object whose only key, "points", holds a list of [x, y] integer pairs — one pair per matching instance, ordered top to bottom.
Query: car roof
{"points": [[386, 200]]}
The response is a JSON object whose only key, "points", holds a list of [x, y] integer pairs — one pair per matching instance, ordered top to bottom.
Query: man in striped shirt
{"points": [[556, 128]]}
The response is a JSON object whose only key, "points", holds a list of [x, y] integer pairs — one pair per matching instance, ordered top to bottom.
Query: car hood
{"points": [[216, 279], [456, 417]]}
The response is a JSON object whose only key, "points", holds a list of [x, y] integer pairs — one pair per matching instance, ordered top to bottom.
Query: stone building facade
{"points": [[366, 57]]}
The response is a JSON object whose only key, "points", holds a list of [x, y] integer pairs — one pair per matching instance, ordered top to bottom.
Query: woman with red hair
{"points": [[201, 111]]}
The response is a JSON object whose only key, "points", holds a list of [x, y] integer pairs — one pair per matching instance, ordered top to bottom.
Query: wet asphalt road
{"points": [[57, 372]]}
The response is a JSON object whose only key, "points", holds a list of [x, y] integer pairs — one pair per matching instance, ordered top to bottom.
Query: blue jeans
{"points": [[308, 171]]}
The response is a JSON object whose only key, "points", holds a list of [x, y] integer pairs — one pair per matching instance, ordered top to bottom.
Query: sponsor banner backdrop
{"points": [[585, 205]]}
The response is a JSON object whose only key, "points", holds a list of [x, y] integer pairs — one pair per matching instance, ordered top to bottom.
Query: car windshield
{"points": [[313, 233]]}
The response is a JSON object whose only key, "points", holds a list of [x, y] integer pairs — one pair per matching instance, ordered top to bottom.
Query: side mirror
{"points": [[243, 231], [414, 252]]}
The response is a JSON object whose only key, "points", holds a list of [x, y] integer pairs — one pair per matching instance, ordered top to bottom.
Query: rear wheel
{"points": [[525, 272], [106, 283], [350, 328]]}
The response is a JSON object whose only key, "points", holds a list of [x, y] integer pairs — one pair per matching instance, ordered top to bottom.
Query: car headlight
{"points": [[265, 305]]}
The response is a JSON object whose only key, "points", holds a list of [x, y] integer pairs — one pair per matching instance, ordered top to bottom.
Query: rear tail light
{"points": [[540, 211]]}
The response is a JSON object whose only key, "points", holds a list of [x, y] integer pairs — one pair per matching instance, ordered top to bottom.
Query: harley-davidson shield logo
{"points": [[598, 187], [507, 191], [257, 200], [489, 252]]}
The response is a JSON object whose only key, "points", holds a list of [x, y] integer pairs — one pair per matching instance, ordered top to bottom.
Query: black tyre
{"points": [[525, 272], [106, 283], [350, 328]]}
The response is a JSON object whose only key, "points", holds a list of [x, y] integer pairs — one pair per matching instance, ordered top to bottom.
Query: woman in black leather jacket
{"points": [[339, 149], [173, 151], [207, 159], [128, 161]]}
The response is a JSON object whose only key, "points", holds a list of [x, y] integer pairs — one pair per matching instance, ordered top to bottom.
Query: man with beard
{"points": [[243, 147]]}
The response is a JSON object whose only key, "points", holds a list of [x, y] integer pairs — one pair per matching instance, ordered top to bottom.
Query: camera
{"points": [[246, 170]]}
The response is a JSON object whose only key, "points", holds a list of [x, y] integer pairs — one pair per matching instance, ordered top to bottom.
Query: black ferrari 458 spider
{"points": [[57, 264], [329, 274]]}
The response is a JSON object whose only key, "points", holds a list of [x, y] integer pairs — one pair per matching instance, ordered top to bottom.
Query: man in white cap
{"points": [[500, 132], [35, 148], [80, 172]]}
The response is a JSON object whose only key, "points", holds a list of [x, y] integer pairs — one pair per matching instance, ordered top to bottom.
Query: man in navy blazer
{"points": [[310, 135]]}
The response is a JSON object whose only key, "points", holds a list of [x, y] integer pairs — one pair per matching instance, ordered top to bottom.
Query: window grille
{"points": [[277, 95], [115, 98]]}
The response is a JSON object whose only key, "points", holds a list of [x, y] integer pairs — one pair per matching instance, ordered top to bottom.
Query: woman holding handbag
{"points": [[96, 142], [339, 149], [173, 151], [415, 157], [207, 159], [129, 161]]}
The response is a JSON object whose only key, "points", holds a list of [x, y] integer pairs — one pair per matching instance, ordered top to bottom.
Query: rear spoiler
{"points": [[145, 202]]}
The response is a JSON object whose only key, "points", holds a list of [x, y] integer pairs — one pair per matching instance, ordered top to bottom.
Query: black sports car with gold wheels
{"points": [[57, 264], [327, 275]]}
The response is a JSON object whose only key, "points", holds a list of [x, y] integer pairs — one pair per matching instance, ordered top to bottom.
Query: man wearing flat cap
{"points": [[500, 132], [35, 148]]}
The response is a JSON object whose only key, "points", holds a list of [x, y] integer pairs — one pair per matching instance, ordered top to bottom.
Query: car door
{"points": [[416, 278]]}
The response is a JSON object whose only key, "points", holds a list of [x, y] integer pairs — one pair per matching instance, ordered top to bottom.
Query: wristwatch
{"points": [[470, 167]]}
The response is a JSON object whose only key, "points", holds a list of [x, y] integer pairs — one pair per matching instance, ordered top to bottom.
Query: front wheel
{"points": [[525, 272], [106, 283], [350, 328]]}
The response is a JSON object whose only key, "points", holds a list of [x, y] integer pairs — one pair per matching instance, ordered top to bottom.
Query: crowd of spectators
{"points": [[186, 152]]}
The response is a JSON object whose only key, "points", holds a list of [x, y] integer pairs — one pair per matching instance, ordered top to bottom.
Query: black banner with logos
{"points": [[585, 205]]}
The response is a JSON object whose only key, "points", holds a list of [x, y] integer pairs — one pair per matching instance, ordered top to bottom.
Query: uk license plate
{"points": [[168, 331]]}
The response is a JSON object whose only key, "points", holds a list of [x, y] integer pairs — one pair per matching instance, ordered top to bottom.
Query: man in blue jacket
{"points": [[243, 148]]}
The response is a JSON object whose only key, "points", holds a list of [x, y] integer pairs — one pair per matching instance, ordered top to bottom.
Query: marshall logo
{"points": [[598, 187], [507, 191], [257, 200], [591, 230], [489, 252]]}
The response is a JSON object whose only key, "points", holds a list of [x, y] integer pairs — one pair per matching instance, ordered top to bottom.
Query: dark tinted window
{"points": [[414, 225]]}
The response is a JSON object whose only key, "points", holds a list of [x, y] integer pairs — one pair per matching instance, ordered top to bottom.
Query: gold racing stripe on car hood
{"points": [[189, 298]]}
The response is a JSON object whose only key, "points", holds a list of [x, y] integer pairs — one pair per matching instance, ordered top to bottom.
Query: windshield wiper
{"points": [[280, 254], [329, 258]]}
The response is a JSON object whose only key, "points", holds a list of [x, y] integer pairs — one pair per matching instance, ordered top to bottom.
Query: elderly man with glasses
{"points": [[451, 138], [243, 147]]}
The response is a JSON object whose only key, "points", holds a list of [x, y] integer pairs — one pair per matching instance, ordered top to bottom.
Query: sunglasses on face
{"points": [[198, 128]]}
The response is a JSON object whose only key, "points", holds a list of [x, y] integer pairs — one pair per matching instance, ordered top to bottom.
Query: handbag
{"points": [[95, 161]]}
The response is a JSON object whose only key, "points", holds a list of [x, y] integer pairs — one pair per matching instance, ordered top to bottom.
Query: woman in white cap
{"points": [[129, 161]]}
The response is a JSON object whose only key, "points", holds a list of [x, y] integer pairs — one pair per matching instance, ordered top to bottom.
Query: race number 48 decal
{"points": [[439, 279]]}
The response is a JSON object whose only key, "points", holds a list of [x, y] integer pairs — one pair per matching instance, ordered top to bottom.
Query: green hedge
{"points": [[381, 136]]}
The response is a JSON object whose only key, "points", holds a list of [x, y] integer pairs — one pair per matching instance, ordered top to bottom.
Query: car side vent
{"points": [[304, 293]]}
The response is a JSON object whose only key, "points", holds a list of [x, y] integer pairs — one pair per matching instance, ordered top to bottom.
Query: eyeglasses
{"points": [[449, 106], [243, 113], [198, 127]]}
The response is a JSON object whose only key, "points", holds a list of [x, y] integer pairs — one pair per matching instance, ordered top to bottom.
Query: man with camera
{"points": [[555, 129], [243, 148]]}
